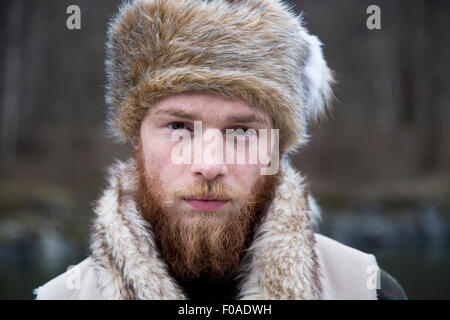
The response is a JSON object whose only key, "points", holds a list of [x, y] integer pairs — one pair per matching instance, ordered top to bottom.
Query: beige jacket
{"points": [[287, 260]]}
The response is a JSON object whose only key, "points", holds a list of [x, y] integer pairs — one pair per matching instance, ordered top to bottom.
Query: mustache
{"points": [[207, 190]]}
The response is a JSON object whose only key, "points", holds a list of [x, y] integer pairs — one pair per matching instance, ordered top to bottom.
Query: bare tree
{"points": [[12, 81]]}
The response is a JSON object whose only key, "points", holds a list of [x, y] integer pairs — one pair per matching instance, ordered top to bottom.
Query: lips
{"points": [[205, 203]]}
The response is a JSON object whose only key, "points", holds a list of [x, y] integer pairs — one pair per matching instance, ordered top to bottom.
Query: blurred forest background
{"points": [[379, 167]]}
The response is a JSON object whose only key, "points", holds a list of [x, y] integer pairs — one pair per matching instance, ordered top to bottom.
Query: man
{"points": [[177, 221]]}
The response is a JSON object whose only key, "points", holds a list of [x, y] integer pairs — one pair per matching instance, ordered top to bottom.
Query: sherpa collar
{"points": [[281, 263]]}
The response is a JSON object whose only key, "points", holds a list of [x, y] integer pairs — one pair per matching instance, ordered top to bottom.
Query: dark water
{"points": [[424, 274], [17, 281]]}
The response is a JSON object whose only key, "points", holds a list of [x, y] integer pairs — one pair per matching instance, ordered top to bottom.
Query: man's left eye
{"points": [[244, 132]]}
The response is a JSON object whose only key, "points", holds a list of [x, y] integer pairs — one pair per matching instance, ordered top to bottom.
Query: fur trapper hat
{"points": [[256, 50]]}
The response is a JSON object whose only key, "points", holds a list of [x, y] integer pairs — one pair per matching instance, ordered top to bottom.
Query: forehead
{"points": [[206, 107]]}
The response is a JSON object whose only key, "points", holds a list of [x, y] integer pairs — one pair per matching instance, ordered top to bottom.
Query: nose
{"points": [[209, 162], [209, 171]]}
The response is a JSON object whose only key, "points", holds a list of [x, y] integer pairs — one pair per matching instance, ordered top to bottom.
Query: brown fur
{"points": [[256, 50]]}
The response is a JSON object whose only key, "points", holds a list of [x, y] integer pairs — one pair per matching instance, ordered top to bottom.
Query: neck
{"points": [[205, 289]]}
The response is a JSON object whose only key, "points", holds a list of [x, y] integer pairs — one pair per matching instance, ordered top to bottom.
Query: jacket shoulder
{"points": [[329, 246], [347, 273], [78, 283], [390, 288]]}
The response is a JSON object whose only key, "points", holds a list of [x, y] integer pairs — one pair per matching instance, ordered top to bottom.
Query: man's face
{"points": [[202, 212]]}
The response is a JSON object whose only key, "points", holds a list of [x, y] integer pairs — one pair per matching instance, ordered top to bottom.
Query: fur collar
{"points": [[281, 263]]}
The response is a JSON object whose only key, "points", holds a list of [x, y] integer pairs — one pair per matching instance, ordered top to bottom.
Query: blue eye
{"points": [[177, 125], [240, 131], [243, 132]]}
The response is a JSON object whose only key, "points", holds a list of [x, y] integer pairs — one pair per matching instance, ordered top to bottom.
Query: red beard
{"points": [[202, 244]]}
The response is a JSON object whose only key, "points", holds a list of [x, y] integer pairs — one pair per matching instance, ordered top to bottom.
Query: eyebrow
{"points": [[179, 114], [239, 118], [245, 118]]}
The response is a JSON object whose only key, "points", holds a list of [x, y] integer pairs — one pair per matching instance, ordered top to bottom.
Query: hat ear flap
{"points": [[317, 80]]}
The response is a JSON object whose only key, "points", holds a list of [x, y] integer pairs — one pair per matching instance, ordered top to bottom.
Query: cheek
{"points": [[155, 154], [158, 158], [245, 176]]}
